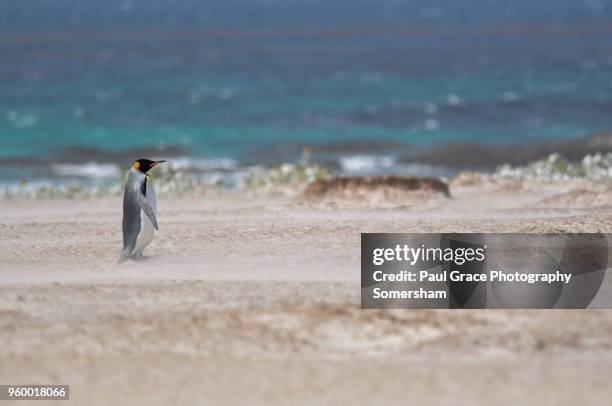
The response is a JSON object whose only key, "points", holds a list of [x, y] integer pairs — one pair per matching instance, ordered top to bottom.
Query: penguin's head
{"points": [[145, 165]]}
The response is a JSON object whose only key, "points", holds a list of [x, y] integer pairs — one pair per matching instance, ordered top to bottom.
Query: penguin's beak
{"points": [[154, 164]]}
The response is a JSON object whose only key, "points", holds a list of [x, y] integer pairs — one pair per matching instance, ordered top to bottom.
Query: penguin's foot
{"points": [[136, 256], [140, 258]]}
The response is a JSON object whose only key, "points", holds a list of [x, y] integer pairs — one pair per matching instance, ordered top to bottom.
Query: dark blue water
{"points": [[237, 79]]}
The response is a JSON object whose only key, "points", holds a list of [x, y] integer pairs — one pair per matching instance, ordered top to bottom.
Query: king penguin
{"points": [[139, 209]]}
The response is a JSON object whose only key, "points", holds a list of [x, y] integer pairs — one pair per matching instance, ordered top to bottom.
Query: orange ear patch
{"points": [[136, 165]]}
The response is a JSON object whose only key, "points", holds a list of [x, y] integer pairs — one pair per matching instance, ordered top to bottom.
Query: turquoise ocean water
{"points": [[242, 83]]}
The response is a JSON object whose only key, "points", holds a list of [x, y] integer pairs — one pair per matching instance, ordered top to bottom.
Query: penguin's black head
{"points": [[145, 165]]}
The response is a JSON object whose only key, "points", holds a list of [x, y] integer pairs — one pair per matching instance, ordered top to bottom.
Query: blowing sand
{"points": [[256, 301]]}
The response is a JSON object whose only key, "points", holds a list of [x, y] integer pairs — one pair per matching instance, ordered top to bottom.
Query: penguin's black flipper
{"points": [[144, 206]]}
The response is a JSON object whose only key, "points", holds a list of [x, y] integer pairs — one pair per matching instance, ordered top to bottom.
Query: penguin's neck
{"points": [[137, 179]]}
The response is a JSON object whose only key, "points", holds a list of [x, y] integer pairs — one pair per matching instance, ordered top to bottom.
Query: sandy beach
{"points": [[276, 133], [255, 300]]}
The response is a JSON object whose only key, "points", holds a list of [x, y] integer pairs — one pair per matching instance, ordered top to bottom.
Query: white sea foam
{"points": [[510, 97], [454, 99], [431, 108], [21, 120], [431, 124], [365, 163], [202, 165], [378, 165], [89, 170], [182, 175]]}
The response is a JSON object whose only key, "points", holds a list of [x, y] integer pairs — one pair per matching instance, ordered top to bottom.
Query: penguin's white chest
{"points": [[147, 230]]}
